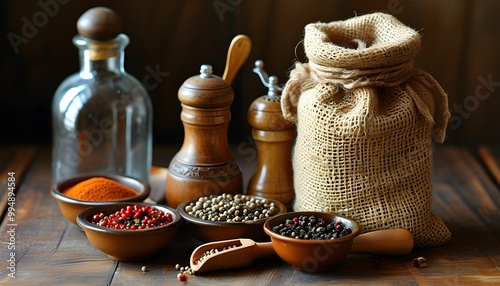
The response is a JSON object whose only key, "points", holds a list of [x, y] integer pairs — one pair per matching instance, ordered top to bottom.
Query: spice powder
{"points": [[99, 189]]}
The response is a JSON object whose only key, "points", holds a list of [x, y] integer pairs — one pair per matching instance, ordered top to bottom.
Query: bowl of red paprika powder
{"points": [[81, 192], [130, 231]]}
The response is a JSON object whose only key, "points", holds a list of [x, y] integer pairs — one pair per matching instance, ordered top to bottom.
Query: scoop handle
{"points": [[238, 52], [396, 241], [263, 249]]}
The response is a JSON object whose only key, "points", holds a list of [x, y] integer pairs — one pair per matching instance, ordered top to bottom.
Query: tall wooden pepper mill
{"points": [[274, 136], [204, 165]]}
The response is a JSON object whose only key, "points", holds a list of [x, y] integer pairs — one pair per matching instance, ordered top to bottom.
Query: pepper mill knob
{"points": [[100, 24], [206, 71], [271, 82]]}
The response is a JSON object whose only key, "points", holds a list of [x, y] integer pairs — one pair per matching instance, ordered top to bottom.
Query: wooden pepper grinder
{"points": [[274, 136], [204, 165]]}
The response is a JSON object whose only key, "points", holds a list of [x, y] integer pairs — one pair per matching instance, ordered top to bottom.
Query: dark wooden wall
{"points": [[460, 48]]}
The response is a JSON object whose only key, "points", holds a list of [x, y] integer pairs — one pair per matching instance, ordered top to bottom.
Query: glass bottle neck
{"points": [[99, 59]]}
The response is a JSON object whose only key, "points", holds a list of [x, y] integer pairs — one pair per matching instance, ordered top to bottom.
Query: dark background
{"points": [[460, 48]]}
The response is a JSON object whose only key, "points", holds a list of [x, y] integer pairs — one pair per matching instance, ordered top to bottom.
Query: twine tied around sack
{"points": [[308, 75]]}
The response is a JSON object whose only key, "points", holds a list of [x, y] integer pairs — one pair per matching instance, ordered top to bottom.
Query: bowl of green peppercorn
{"points": [[228, 216], [311, 241]]}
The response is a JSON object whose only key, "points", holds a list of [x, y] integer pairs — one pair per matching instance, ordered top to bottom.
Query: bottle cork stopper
{"points": [[100, 24]]}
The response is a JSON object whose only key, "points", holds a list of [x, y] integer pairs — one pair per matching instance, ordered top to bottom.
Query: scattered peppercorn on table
{"points": [[39, 247]]}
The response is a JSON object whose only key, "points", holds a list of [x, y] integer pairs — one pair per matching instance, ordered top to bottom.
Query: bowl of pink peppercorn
{"points": [[130, 231]]}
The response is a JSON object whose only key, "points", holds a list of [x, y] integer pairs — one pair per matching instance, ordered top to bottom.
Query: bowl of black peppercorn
{"points": [[312, 241]]}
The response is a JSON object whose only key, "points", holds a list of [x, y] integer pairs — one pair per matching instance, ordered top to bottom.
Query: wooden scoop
{"points": [[238, 52], [242, 252]]}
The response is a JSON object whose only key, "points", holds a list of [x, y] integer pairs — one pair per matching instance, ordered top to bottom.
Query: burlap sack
{"points": [[365, 118]]}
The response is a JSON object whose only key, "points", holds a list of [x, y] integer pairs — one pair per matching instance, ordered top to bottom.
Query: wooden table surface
{"points": [[51, 251]]}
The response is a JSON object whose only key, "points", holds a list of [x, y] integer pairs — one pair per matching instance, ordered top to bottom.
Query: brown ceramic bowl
{"points": [[70, 207], [208, 231], [128, 245], [311, 255]]}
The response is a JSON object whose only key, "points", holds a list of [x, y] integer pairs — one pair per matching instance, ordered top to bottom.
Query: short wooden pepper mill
{"points": [[274, 136], [204, 165]]}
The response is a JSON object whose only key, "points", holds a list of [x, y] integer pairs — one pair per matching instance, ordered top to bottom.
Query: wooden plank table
{"points": [[490, 155], [13, 160], [51, 251]]}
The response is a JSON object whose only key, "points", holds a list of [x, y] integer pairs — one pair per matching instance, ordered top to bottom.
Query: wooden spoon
{"points": [[238, 52], [380, 242]]}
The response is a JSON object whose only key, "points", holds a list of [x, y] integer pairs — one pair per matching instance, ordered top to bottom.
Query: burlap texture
{"points": [[365, 118]]}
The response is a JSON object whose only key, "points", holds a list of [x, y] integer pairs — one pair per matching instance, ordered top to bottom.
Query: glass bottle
{"points": [[102, 116]]}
